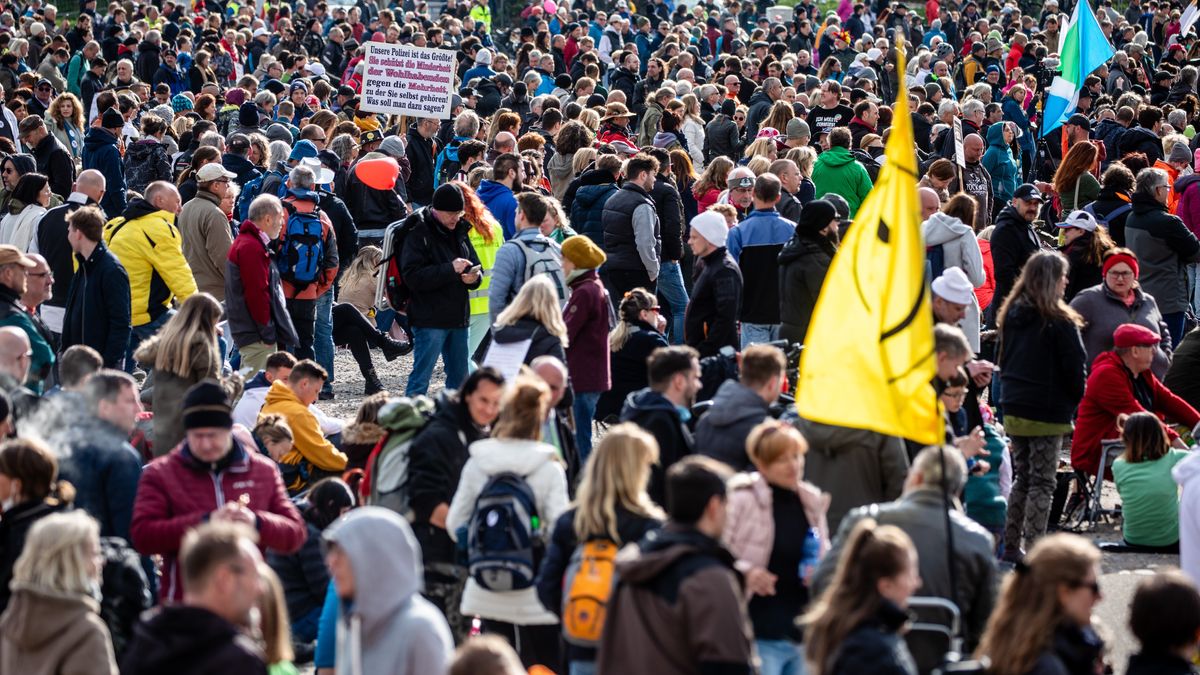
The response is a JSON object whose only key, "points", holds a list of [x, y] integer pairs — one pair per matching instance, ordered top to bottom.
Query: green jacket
{"points": [[838, 172], [42, 358], [982, 497]]}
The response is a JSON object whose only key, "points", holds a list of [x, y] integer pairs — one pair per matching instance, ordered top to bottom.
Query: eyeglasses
{"points": [[40, 274], [1119, 274], [958, 395]]}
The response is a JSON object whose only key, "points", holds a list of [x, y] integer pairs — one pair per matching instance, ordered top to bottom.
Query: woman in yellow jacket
{"points": [[486, 236]]}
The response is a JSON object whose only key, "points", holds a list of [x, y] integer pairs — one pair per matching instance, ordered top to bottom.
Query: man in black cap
{"points": [[43, 96], [100, 153], [1014, 239], [440, 268], [210, 477]]}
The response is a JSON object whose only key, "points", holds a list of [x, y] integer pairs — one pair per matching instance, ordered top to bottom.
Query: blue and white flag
{"points": [[1084, 49]]}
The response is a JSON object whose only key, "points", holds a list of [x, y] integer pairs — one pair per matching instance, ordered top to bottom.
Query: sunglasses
{"points": [[739, 118], [1093, 586]]}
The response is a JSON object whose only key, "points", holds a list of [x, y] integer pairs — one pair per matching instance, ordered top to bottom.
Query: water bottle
{"points": [[810, 555]]}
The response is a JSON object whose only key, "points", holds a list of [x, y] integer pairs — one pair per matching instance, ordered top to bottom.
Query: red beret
{"points": [[1133, 335]]}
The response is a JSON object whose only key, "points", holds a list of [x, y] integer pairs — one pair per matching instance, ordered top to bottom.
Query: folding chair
{"points": [[1092, 510], [935, 635]]}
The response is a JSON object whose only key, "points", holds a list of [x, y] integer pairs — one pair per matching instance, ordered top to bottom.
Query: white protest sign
{"points": [[407, 80], [960, 156]]}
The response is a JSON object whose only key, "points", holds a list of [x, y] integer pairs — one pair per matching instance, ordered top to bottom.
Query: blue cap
{"points": [[302, 150]]}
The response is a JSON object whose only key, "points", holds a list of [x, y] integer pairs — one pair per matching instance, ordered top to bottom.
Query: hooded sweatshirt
{"points": [[1000, 164], [837, 172], [960, 249], [721, 433], [1187, 475], [387, 627], [47, 632], [187, 640]]}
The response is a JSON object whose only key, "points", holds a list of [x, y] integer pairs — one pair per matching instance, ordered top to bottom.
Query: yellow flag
{"points": [[868, 358]]}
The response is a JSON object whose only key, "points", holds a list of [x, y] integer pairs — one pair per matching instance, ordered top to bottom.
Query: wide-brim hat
{"points": [[616, 110]]}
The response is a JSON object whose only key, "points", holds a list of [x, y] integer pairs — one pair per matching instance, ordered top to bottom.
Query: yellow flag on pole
{"points": [[868, 358]]}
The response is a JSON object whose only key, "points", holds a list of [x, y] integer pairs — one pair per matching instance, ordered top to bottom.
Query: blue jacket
{"points": [[478, 71], [175, 79], [1013, 112], [100, 153], [999, 162], [500, 200], [587, 210], [762, 227], [97, 313], [104, 469]]}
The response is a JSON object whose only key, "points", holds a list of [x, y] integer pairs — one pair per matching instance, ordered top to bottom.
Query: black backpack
{"points": [[504, 535], [125, 591]]}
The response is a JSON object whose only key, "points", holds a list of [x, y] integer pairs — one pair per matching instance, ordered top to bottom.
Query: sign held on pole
{"points": [[407, 80]]}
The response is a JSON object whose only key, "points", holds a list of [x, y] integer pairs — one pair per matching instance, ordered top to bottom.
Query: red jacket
{"points": [[987, 291], [586, 315], [1109, 393], [177, 492]]}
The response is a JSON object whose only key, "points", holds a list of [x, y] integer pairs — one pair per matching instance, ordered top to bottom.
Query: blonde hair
{"points": [[590, 119], [760, 147], [804, 157], [580, 161], [759, 165], [365, 266], [539, 301], [193, 327], [523, 408], [273, 427], [771, 440], [615, 475], [872, 552], [58, 554], [1027, 610], [274, 625]]}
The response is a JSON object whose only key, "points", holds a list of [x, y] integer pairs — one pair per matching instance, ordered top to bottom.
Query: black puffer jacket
{"points": [[722, 139], [1137, 139], [145, 162], [373, 210], [670, 217], [1013, 242], [803, 264], [439, 296], [712, 315], [1043, 365], [628, 366], [656, 414], [436, 459], [876, 646]]}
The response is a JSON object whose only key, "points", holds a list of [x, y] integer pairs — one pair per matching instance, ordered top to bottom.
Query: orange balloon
{"points": [[378, 173]]}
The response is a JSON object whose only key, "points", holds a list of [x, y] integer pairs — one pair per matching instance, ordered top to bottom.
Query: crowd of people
{"points": [[613, 245]]}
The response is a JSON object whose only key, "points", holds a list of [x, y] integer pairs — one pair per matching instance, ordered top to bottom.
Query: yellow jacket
{"points": [[482, 14], [150, 248], [487, 259], [309, 443]]}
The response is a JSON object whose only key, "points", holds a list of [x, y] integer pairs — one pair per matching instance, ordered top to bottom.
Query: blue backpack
{"points": [[254, 188], [302, 247], [504, 535]]}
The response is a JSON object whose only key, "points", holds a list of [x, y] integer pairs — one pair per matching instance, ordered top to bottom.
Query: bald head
{"points": [[505, 142], [973, 148], [91, 183], [929, 202], [14, 353], [554, 373]]}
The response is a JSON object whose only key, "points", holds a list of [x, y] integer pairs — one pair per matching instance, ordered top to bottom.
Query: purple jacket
{"points": [[1189, 203]]}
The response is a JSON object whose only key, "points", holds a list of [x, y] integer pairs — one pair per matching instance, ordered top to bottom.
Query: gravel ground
{"points": [[348, 381]]}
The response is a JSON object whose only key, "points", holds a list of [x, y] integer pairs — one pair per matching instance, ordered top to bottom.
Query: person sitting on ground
{"points": [[1121, 382], [740, 405], [364, 433], [274, 436], [314, 456], [1149, 496], [1165, 618], [486, 655]]}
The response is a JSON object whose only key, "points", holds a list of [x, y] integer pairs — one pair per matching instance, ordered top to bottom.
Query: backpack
{"points": [[448, 165], [1112, 215], [302, 246], [544, 257], [935, 260], [392, 291], [387, 477], [503, 535], [591, 579], [125, 591]]}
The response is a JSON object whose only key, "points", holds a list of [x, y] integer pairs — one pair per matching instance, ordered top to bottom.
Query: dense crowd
{"points": [[615, 244]]}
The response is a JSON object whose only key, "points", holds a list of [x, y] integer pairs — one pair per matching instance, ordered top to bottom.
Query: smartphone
{"points": [[478, 269]]}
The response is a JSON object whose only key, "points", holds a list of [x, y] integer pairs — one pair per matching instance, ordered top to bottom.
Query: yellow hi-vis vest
{"points": [[487, 258]]}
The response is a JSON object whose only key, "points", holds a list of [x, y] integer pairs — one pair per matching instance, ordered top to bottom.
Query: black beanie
{"points": [[728, 107], [248, 114], [112, 119], [448, 198], [814, 217], [206, 405]]}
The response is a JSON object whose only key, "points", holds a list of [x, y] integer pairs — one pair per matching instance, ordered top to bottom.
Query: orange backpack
{"points": [[590, 580]]}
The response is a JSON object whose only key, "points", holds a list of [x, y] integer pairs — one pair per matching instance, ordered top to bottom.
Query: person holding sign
{"points": [[440, 268]]}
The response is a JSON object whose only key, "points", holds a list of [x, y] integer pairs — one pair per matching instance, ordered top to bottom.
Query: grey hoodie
{"points": [[960, 249], [721, 433], [388, 628]]}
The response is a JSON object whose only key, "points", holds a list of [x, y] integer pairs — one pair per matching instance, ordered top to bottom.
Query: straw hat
{"points": [[615, 110]]}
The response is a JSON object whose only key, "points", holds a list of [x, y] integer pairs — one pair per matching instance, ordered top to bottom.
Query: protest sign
{"points": [[407, 80]]}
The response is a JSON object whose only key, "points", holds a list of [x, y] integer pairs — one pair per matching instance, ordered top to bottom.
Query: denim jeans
{"points": [[670, 288], [384, 318], [1175, 322], [477, 329], [758, 333], [140, 334], [323, 336], [428, 343], [585, 411], [780, 657], [582, 668]]}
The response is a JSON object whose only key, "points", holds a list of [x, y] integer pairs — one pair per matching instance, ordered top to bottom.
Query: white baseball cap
{"points": [[1080, 219]]}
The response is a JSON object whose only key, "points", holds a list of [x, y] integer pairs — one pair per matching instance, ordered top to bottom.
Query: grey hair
{"points": [[265, 99], [947, 107], [971, 107], [1177, 118], [466, 125], [213, 139], [342, 146], [278, 151], [303, 178], [1149, 179], [265, 205], [951, 341], [105, 385], [929, 465]]}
